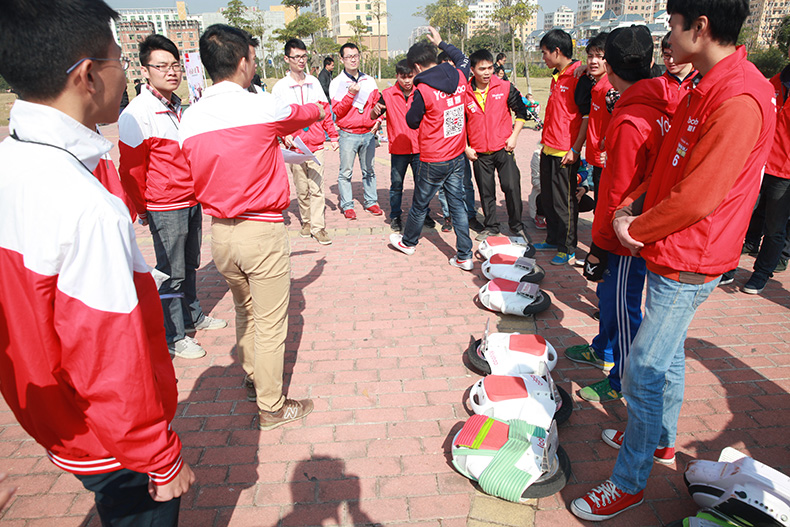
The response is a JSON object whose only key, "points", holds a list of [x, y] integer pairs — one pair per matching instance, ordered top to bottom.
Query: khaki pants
{"points": [[309, 182], [254, 258]]}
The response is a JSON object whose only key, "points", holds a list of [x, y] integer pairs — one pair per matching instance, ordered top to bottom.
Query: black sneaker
{"points": [[429, 222], [396, 225], [447, 225], [475, 225], [749, 249], [781, 266]]}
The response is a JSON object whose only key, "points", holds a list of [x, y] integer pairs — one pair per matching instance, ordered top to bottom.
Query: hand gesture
{"points": [[433, 36], [354, 89], [378, 109], [321, 111], [288, 140], [471, 155], [621, 226], [179, 486]]}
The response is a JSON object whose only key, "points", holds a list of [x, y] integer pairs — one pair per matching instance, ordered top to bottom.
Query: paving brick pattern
{"points": [[376, 339]]}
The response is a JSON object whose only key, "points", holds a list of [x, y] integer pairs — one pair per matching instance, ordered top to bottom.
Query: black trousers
{"points": [[504, 163], [597, 171], [558, 197], [122, 500]]}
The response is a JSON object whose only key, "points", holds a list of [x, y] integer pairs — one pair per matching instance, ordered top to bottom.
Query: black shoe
{"points": [[429, 222], [396, 225], [447, 225], [475, 225], [749, 249], [781, 266], [726, 280], [596, 315]]}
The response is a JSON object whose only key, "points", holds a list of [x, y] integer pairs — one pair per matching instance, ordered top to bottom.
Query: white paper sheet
{"points": [[297, 158]]}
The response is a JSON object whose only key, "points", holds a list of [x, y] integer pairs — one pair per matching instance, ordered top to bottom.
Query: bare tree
{"points": [[378, 11]]}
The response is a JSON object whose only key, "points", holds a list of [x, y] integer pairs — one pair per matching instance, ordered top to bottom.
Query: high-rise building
{"points": [[643, 8], [589, 10], [341, 12], [482, 16], [563, 17], [765, 17], [416, 33], [185, 34], [129, 35]]}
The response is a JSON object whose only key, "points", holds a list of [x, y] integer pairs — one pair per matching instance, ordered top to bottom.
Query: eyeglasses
{"points": [[351, 57], [297, 58], [123, 61], [164, 68]]}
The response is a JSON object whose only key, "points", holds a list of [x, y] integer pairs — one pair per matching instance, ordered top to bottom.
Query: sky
{"points": [[401, 20]]}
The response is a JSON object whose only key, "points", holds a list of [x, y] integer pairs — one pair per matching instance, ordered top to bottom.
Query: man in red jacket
{"points": [[353, 95], [639, 121], [564, 133], [492, 137], [229, 138], [156, 177], [687, 221], [83, 358]]}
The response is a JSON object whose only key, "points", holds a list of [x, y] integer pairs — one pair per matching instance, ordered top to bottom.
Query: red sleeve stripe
{"points": [[271, 217], [169, 475]]}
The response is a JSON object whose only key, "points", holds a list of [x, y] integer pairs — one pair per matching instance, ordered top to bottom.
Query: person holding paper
{"points": [[299, 87], [353, 96]]}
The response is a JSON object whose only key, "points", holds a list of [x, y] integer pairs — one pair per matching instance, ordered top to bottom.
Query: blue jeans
{"points": [[352, 145], [398, 165], [433, 176], [469, 194], [177, 237], [620, 302], [654, 376]]}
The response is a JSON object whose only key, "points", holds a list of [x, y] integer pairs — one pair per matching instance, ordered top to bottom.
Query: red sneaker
{"points": [[375, 210], [350, 214], [540, 223], [614, 438], [605, 501]]}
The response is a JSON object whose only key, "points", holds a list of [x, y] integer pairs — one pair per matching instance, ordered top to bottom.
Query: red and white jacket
{"points": [[291, 92], [350, 118], [229, 138], [402, 140], [153, 170], [107, 175], [84, 364]]}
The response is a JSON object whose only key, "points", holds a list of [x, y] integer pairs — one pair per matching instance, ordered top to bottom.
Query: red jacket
{"points": [[677, 86], [291, 92], [350, 118], [563, 119], [639, 121], [597, 122], [488, 129], [442, 132], [229, 138], [402, 139], [779, 160], [153, 169], [107, 175], [697, 209], [84, 363]]}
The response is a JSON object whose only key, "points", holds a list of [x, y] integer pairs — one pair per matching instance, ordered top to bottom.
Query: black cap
{"points": [[629, 52]]}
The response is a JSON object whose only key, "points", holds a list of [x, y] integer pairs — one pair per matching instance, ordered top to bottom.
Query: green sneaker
{"points": [[585, 354], [600, 392]]}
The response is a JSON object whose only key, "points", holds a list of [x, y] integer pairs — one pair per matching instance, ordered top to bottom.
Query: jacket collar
{"points": [[720, 71], [291, 82], [222, 88], [43, 124]]}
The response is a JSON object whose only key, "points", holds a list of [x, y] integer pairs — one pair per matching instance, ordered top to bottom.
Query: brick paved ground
{"points": [[376, 340]]}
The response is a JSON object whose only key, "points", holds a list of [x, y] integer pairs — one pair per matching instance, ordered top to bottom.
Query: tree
{"points": [[296, 4], [377, 11], [515, 13], [235, 15], [448, 17], [302, 26], [782, 35], [488, 38], [748, 38], [769, 61]]}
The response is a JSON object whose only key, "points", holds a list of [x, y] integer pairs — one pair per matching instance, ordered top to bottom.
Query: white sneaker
{"points": [[397, 241], [466, 265], [211, 323], [187, 348]]}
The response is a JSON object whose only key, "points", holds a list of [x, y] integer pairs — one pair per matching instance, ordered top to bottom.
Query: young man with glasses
{"points": [[299, 87], [353, 96], [157, 178], [83, 363]]}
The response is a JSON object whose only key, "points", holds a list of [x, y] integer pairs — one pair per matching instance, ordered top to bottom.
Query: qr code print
{"points": [[453, 121]]}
